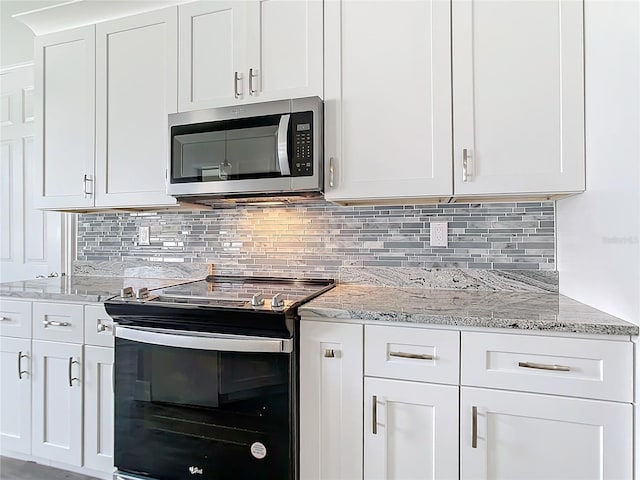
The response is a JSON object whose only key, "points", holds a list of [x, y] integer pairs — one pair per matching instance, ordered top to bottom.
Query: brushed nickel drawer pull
{"points": [[252, 75], [236, 79], [467, 169], [331, 173], [4, 319], [51, 323], [103, 327], [329, 353], [418, 356], [543, 366], [20, 371], [72, 378], [374, 416], [474, 427]]}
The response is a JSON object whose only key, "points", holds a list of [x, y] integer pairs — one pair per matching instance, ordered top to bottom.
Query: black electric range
{"points": [[206, 378]]}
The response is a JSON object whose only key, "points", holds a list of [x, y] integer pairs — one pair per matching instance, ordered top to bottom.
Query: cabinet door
{"points": [[284, 49], [212, 52], [135, 91], [518, 96], [387, 99], [65, 118], [15, 395], [330, 401], [57, 402], [98, 408], [411, 430], [527, 436]]}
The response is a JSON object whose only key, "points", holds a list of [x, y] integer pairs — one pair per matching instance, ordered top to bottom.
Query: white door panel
{"points": [[31, 241]]}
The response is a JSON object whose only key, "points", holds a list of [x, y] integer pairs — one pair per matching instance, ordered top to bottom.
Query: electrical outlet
{"points": [[438, 234], [143, 236]]}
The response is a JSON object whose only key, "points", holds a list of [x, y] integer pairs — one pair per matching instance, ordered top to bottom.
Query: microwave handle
{"points": [[283, 134], [204, 341]]}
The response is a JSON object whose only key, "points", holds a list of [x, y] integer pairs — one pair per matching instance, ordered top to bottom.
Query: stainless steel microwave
{"points": [[262, 149]]}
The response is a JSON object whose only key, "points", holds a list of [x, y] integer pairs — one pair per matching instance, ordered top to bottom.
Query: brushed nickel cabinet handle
{"points": [[236, 78], [252, 91], [466, 164], [331, 174], [86, 179], [4, 319], [52, 323], [103, 327], [329, 353], [417, 356], [543, 366], [20, 371], [72, 378], [374, 416], [474, 427]]}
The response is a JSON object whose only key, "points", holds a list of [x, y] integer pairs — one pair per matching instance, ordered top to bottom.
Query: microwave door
{"points": [[283, 142]]}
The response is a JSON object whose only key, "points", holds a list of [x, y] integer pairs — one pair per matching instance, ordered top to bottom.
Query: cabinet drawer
{"points": [[15, 318], [59, 322], [98, 326], [412, 354], [598, 369]]}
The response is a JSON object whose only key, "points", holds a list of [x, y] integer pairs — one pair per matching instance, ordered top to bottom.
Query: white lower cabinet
{"points": [[56, 390], [15, 395], [330, 400], [57, 402], [443, 404], [98, 408], [411, 430], [513, 435]]}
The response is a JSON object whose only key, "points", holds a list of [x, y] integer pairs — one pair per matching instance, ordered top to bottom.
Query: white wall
{"points": [[16, 39], [598, 232]]}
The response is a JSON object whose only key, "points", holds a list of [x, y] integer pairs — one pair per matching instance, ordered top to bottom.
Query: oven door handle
{"points": [[283, 134], [204, 341]]}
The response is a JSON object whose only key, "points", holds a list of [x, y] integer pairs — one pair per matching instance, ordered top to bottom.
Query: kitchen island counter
{"points": [[463, 308]]}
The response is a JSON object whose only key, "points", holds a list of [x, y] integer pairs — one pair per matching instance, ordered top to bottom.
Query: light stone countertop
{"points": [[79, 288], [508, 310]]}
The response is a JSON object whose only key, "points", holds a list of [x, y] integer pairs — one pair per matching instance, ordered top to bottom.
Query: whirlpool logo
{"points": [[195, 471]]}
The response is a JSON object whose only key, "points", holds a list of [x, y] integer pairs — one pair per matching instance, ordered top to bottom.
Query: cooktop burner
{"points": [[224, 304]]}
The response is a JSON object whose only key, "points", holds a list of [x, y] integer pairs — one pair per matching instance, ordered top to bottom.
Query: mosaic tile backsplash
{"points": [[320, 238]]}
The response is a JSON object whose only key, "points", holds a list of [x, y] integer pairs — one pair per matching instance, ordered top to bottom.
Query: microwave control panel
{"points": [[302, 130]]}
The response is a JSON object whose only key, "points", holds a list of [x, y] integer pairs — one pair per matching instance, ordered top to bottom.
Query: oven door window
{"points": [[231, 150], [180, 410]]}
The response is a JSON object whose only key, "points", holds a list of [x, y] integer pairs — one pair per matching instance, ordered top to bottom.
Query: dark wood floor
{"points": [[11, 469]]}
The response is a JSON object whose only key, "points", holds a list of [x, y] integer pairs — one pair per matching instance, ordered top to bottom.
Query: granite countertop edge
{"points": [[548, 312], [330, 314]]}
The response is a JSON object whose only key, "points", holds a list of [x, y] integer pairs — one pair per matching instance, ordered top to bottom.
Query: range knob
{"points": [[126, 292], [142, 293], [257, 299], [277, 301]]}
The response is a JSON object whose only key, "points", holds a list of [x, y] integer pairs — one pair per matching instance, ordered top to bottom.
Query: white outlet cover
{"points": [[438, 234], [143, 236]]}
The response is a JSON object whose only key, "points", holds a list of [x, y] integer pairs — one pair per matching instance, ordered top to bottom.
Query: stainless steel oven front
{"points": [[271, 148], [203, 405]]}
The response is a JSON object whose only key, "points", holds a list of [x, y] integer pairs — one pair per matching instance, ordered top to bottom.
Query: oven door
{"points": [[198, 405]]}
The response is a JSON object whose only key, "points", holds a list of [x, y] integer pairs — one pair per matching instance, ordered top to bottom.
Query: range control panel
{"points": [[302, 145]]}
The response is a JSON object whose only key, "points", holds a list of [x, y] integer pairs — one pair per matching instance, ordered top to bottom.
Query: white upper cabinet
{"points": [[284, 49], [211, 51], [248, 51], [136, 88], [104, 95], [518, 96], [387, 99], [65, 118]]}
